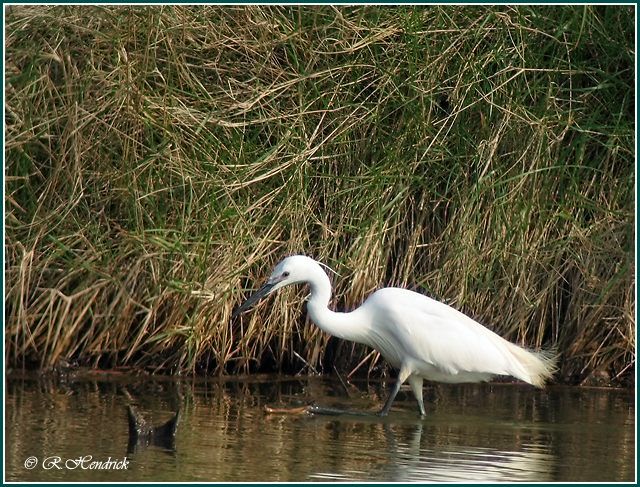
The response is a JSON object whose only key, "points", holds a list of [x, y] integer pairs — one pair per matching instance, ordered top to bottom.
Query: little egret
{"points": [[422, 337]]}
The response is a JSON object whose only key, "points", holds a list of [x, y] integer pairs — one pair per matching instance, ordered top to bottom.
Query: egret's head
{"points": [[292, 270]]}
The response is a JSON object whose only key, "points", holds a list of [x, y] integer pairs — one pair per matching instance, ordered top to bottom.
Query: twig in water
{"points": [[307, 363], [344, 384]]}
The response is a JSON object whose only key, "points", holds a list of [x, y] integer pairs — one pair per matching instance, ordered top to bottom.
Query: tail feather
{"points": [[536, 368]]}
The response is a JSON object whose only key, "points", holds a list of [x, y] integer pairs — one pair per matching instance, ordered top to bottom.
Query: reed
{"points": [[159, 161]]}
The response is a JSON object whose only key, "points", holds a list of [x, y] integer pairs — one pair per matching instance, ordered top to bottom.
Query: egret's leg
{"points": [[402, 376], [416, 386], [392, 395]]}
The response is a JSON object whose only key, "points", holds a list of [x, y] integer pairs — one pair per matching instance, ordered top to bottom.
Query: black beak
{"points": [[257, 296]]}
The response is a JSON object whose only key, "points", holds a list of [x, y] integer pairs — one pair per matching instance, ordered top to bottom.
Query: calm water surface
{"points": [[483, 432]]}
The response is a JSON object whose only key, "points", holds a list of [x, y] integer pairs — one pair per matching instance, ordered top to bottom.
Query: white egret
{"points": [[422, 337]]}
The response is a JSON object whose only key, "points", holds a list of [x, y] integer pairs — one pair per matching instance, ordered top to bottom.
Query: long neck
{"points": [[348, 326]]}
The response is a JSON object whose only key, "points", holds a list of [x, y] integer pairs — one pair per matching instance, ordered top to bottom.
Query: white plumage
{"points": [[422, 337]]}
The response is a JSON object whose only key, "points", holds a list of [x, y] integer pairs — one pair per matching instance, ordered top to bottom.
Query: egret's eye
{"points": [[285, 274]]}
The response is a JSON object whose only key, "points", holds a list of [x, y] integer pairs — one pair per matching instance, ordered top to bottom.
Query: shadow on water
{"points": [[481, 432], [410, 458]]}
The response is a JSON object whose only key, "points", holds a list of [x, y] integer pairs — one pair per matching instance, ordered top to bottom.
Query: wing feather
{"points": [[440, 341]]}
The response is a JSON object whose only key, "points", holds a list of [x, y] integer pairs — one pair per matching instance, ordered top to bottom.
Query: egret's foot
{"points": [[384, 413]]}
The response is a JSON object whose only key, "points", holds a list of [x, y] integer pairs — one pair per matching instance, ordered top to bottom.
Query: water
{"points": [[480, 432]]}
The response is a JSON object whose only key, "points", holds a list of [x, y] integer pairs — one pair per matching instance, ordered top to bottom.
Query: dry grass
{"points": [[161, 159]]}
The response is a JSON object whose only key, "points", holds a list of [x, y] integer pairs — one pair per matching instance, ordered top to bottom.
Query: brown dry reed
{"points": [[161, 159]]}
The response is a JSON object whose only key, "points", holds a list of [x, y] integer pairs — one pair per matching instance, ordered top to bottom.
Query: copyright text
{"points": [[83, 462]]}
